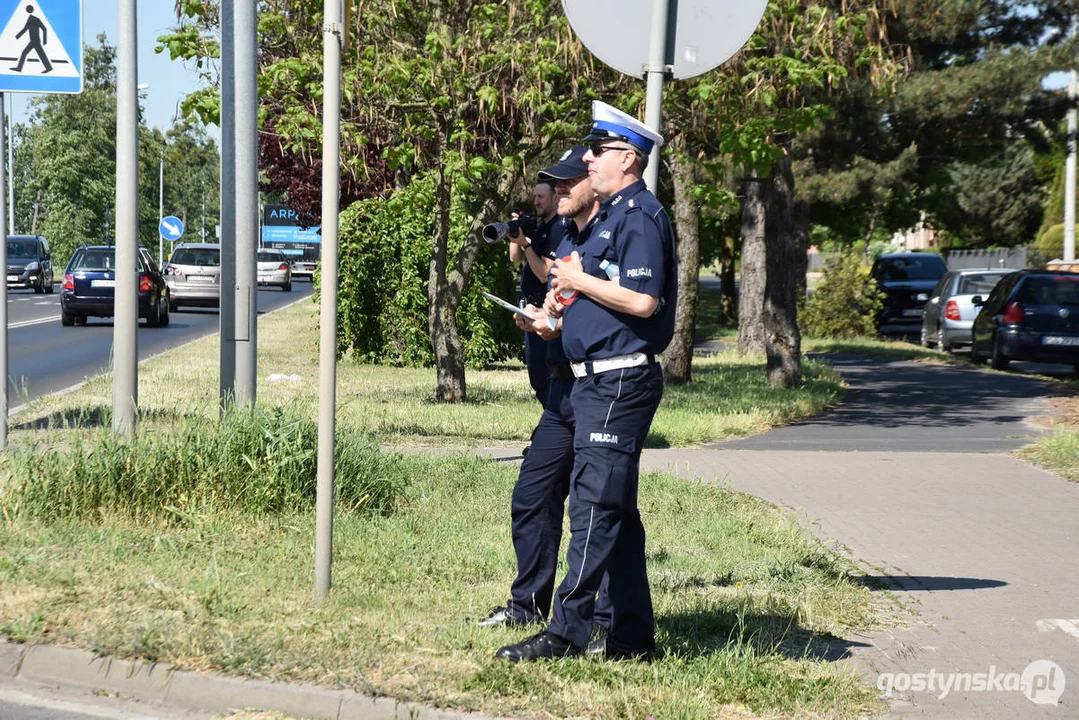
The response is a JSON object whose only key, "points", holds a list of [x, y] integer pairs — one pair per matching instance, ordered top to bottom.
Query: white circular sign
{"points": [[701, 34]]}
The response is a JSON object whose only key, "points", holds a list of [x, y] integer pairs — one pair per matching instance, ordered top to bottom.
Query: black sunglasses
{"points": [[597, 148]]}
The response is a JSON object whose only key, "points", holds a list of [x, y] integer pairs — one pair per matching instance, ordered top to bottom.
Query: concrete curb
{"points": [[49, 665]]}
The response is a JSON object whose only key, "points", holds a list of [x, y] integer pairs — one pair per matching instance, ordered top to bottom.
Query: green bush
{"points": [[1050, 244], [384, 265], [846, 302], [261, 463]]}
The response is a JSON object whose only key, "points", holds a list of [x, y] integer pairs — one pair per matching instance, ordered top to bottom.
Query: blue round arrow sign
{"points": [[171, 227]]}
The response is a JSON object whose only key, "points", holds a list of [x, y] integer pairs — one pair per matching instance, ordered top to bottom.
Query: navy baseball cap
{"points": [[569, 166]]}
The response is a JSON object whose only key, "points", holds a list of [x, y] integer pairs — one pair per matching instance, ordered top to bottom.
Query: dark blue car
{"points": [[90, 285], [1031, 315]]}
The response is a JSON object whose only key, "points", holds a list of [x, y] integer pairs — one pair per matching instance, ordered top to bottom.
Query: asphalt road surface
{"points": [[44, 357], [905, 406]]}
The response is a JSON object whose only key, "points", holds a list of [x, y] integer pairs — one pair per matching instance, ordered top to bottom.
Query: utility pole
{"points": [[332, 40], [245, 61], [1069, 166], [11, 174], [160, 206], [3, 298], [227, 315], [125, 386]]}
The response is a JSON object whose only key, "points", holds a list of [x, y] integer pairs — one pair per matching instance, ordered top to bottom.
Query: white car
{"points": [[274, 269]]}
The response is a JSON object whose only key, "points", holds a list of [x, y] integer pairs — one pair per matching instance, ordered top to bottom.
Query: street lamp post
{"points": [[160, 207]]}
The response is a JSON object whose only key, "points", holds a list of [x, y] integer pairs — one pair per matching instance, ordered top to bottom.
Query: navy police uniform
{"points": [[545, 239], [618, 389], [539, 497]]}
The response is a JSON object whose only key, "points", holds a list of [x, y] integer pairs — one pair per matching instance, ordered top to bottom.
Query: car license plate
{"points": [[13, 278], [200, 278], [103, 283], [913, 312], [1059, 340]]}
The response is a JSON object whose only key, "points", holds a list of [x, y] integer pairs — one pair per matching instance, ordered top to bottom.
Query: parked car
{"points": [[29, 263], [273, 269], [193, 274], [906, 280], [89, 287], [949, 313], [1030, 315]]}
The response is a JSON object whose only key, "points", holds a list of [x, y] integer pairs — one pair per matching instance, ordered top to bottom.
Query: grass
{"points": [[729, 396], [748, 606]]}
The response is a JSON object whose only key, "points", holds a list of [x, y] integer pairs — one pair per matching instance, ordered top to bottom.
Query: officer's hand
{"points": [[567, 273], [552, 306], [523, 322], [544, 325]]}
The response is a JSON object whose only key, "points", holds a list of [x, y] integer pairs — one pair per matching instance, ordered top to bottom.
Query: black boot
{"points": [[539, 646]]}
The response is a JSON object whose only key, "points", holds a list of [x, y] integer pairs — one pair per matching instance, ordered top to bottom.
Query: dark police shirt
{"points": [[631, 230], [545, 239], [572, 239]]}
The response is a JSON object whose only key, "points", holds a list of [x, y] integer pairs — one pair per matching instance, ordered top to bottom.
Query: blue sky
{"points": [[169, 81]]}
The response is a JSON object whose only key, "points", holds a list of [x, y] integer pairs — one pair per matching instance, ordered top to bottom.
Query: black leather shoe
{"points": [[524, 452], [501, 616], [597, 643], [538, 647], [600, 649]]}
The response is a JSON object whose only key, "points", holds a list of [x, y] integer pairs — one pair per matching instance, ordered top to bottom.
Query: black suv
{"points": [[29, 263], [906, 279]]}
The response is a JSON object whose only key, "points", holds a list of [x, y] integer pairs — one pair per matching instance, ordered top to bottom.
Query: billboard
{"points": [[281, 229]]}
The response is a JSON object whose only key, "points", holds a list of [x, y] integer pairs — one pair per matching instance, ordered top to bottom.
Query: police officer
{"points": [[536, 251], [616, 294], [539, 497]]}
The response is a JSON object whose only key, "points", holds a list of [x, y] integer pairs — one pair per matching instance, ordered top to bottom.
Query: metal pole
{"points": [[656, 72], [1069, 166], [11, 172], [247, 201], [160, 208], [202, 232], [3, 294], [227, 317], [327, 361], [125, 387]]}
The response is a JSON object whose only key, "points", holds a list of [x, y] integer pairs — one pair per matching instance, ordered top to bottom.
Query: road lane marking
{"points": [[26, 323], [1071, 627]]}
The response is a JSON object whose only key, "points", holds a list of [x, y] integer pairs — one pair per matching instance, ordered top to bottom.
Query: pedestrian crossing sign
{"points": [[41, 46]]}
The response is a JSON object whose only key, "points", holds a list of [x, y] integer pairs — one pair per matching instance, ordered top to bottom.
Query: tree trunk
{"points": [[446, 287], [751, 288], [444, 298], [728, 299], [783, 343], [678, 357]]}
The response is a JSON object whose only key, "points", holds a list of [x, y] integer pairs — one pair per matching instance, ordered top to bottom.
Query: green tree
{"points": [[473, 93], [69, 156]]}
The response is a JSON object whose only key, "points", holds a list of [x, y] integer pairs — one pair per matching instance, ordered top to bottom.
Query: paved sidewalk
{"points": [[910, 478]]}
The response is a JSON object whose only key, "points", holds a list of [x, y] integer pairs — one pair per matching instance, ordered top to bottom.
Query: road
{"points": [[44, 357]]}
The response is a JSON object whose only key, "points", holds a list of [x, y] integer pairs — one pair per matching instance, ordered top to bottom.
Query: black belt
{"points": [[561, 371]]}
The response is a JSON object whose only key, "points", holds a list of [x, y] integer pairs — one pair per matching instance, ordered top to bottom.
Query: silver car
{"points": [[274, 269], [193, 275], [949, 313]]}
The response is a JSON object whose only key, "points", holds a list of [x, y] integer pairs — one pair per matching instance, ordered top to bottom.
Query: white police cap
{"points": [[610, 123]]}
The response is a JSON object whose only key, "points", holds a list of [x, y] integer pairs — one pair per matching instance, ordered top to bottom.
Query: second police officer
{"points": [[616, 293], [539, 496]]}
